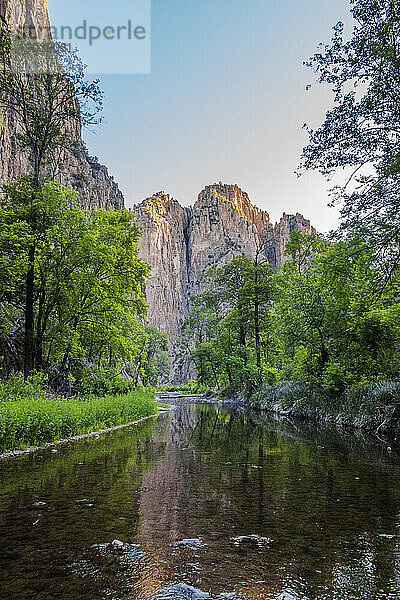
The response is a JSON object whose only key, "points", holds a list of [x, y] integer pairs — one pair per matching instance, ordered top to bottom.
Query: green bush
{"points": [[103, 381], [191, 387], [16, 388], [374, 406], [35, 421]]}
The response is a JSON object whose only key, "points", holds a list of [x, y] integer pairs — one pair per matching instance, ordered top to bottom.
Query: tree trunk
{"points": [[29, 314], [257, 324], [40, 328]]}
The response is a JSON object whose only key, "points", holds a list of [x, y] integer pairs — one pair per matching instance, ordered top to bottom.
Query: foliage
{"points": [[42, 82], [43, 87], [360, 135], [71, 281], [88, 305], [323, 323], [230, 324], [335, 328], [154, 364], [103, 381], [191, 387], [17, 388], [374, 406], [36, 421]]}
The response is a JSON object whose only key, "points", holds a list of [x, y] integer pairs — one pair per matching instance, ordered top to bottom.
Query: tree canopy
{"points": [[360, 137]]}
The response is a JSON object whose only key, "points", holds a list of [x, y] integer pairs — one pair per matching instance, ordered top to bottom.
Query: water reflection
{"points": [[260, 510]]}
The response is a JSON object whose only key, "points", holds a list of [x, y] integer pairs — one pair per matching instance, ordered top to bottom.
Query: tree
{"points": [[42, 83], [361, 134], [88, 305], [230, 324], [334, 330], [152, 365]]}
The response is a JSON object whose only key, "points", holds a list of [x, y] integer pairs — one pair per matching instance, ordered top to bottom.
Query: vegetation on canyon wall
{"points": [[331, 318]]}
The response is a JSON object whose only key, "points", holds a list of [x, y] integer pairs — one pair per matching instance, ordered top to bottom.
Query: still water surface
{"points": [[209, 501]]}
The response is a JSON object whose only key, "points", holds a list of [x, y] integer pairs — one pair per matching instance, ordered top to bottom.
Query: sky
{"points": [[225, 100]]}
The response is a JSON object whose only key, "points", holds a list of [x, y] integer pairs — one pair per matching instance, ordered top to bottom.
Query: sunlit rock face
{"points": [[95, 188], [181, 243], [164, 245]]}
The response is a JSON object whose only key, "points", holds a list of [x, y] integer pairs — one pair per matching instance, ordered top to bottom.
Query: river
{"points": [[207, 501]]}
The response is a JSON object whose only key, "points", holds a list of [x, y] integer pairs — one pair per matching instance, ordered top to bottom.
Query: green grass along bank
{"points": [[39, 419]]}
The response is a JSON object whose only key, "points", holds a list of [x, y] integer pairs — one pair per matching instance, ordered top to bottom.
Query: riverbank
{"points": [[374, 407], [32, 423]]}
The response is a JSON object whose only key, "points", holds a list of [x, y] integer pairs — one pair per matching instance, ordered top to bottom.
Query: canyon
{"points": [[179, 242], [182, 242]]}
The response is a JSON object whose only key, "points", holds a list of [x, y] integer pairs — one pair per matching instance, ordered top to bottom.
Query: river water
{"points": [[207, 501]]}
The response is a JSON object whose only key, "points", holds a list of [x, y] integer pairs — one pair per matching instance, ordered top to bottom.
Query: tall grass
{"points": [[374, 406], [35, 421]]}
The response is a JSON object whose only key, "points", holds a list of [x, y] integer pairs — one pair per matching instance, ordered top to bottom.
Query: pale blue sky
{"points": [[225, 100]]}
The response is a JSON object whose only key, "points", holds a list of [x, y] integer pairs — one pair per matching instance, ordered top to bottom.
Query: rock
{"points": [[96, 189], [181, 243], [85, 502], [252, 539], [117, 544], [193, 544], [181, 591]]}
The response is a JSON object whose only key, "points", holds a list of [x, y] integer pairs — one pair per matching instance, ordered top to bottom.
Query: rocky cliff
{"points": [[95, 187], [181, 243]]}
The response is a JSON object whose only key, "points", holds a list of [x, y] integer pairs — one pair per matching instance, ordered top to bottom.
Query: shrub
{"points": [[103, 381], [191, 387], [16, 388], [371, 406]]}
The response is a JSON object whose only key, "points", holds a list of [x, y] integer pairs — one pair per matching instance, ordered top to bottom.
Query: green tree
{"points": [[42, 84], [361, 134], [88, 301], [231, 324], [334, 329], [153, 365]]}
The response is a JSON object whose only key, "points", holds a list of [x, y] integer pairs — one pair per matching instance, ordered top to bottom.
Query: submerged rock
{"points": [[252, 539], [117, 544], [192, 544], [182, 591]]}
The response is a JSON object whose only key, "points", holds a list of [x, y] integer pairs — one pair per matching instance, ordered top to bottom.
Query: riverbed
{"points": [[207, 501]]}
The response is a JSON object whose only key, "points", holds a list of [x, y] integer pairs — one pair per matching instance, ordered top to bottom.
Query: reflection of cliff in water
{"points": [[164, 491], [327, 499]]}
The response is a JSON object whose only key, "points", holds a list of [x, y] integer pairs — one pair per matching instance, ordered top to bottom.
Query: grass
{"points": [[374, 406], [38, 420]]}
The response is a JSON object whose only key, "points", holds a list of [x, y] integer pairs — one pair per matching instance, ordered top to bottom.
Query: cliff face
{"points": [[95, 187], [181, 243], [164, 245]]}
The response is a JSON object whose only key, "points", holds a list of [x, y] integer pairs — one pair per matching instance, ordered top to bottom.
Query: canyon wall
{"points": [[96, 189], [181, 243]]}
